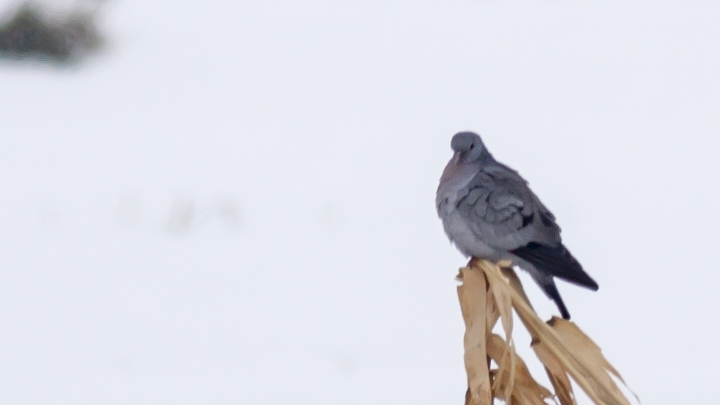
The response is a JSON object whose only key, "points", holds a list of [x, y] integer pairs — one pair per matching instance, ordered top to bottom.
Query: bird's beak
{"points": [[456, 158]]}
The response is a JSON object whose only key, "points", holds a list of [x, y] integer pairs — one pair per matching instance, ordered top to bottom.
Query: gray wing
{"points": [[502, 211]]}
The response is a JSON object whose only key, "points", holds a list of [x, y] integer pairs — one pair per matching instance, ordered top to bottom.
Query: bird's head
{"points": [[468, 148]]}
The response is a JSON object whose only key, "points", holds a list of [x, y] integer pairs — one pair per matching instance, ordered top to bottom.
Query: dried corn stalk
{"points": [[488, 293]]}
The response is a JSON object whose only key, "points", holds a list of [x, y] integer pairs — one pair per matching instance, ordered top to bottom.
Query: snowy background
{"points": [[234, 202]]}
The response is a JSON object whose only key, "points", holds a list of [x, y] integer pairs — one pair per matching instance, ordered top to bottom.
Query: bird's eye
{"points": [[472, 145]]}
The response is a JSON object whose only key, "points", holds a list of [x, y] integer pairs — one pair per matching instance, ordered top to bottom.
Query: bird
{"points": [[489, 212]]}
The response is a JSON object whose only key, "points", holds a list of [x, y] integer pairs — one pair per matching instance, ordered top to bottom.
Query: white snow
{"points": [[234, 202]]}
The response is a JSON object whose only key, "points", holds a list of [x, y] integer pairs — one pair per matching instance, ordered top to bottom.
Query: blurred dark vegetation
{"points": [[32, 33]]}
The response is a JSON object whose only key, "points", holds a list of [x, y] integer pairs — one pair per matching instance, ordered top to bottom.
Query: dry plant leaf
{"points": [[515, 283], [503, 301], [473, 302], [503, 305], [492, 313], [542, 332], [576, 339], [589, 353], [505, 357], [579, 358], [507, 364], [556, 373], [512, 380], [562, 387]]}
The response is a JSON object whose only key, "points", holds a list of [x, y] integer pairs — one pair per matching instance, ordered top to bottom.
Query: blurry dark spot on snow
{"points": [[30, 33], [186, 215], [182, 216]]}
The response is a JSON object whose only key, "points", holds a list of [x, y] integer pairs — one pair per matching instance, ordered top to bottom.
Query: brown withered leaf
{"points": [[515, 283], [503, 302], [473, 303], [564, 349], [591, 355], [556, 373], [512, 381]]}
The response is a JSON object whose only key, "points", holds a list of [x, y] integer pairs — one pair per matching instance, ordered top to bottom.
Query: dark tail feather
{"points": [[558, 262], [551, 290]]}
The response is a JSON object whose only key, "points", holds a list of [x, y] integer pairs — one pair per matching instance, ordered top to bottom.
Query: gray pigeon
{"points": [[489, 212]]}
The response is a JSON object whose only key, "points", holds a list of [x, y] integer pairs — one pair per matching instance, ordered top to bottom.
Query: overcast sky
{"points": [[233, 203]]}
